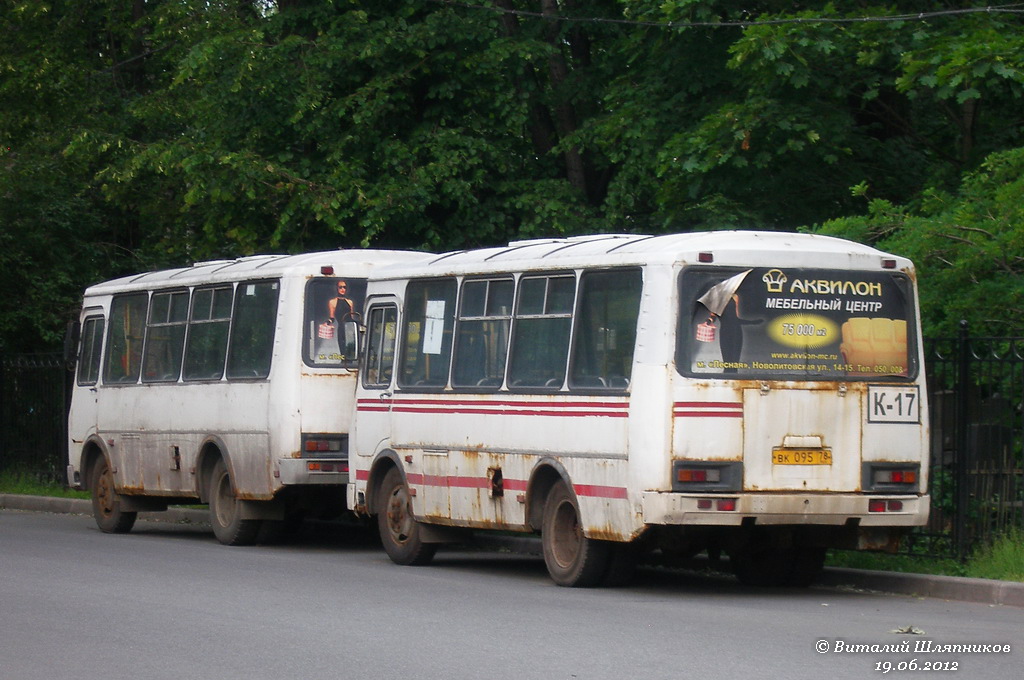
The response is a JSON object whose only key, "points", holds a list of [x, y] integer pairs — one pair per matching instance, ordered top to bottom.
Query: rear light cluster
{"points": [[324, 445], [318, 466], [689, 476], [895, 476], [891, 477], [719, 504], [879, 505]]}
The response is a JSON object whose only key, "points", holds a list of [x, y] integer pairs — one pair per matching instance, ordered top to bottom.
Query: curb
{"points": [[79, 506], [961, 589]]}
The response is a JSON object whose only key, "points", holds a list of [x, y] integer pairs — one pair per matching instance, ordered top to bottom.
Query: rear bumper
{"points": [[769, 509]]}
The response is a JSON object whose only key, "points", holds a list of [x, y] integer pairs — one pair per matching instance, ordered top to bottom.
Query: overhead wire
{"points": [[1016, 8]]}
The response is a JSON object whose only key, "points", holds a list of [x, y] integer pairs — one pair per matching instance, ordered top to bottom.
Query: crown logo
{"points": [[774, 280]]}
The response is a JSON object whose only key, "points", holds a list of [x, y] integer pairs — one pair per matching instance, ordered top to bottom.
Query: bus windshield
{"points": [[771, 323]]}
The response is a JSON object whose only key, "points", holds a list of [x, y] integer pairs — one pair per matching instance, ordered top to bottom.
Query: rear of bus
{"points": [[799, 415]]}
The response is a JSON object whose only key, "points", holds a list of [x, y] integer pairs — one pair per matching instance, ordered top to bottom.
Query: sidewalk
{"points": [[978, 590]]}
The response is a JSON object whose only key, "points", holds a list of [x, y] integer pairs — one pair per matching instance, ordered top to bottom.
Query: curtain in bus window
{"points": [[330, 303], [427, 333], [540, 335], [165, 336], [481, 342], [207, 344], [251, 346], [380, 346], [602, 355], [89, 356], [123, 362]]}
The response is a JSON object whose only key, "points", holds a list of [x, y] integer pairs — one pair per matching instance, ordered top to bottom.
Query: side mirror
{"points": [[351, 335], [72, 336]]}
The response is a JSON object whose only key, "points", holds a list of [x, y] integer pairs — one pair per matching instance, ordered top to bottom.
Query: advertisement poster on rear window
{"points": [[771, 322]]}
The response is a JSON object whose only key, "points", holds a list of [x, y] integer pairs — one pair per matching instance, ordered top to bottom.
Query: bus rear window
{"points": [[330, 303], [774, 323]]}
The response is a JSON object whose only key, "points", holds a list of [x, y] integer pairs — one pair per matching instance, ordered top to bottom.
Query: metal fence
{"points": [[976, 385], [33, 415]]}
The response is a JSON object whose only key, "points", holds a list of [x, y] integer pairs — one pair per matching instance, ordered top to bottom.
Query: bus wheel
{"points": [[106, 502], [225, 516], [399, 530], [572, 559]]}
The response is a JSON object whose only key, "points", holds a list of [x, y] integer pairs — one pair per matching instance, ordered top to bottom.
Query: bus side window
{"points": [[208, 324], [427, 333], [381, 335], [165, 336], [540, 336], [481, 340], [251, 346], [602, 355], [89, 356], [123, 361]]}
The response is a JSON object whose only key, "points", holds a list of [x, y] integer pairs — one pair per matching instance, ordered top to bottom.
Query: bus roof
{"points": [[725, 248], [354, 262]]}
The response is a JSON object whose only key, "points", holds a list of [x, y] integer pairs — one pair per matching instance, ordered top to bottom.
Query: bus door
{"points": [[82, 419], [372, 430]]}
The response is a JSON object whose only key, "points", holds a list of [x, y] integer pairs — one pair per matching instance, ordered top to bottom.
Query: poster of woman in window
{"points": [[331, 303]]}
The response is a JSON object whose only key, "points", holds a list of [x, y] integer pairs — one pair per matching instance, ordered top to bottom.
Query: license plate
{"points": [[802, 457]]}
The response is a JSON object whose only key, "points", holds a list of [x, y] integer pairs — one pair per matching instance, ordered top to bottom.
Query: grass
{"points": [[14, 482], [1003, 559]]}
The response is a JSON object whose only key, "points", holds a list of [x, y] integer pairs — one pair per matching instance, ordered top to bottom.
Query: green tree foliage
{"points": [[137, 134], [968, 246]]}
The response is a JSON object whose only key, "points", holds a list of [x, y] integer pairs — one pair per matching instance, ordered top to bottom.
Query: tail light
{"points": [[324, 445], [690, 476], [889, 477], [882, 505]]}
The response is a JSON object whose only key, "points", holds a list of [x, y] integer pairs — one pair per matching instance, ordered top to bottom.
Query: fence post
{"points": [[963, 383]]}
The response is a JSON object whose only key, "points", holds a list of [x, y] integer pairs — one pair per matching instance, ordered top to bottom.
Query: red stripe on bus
{"points": [[509, 402], [709, 404], [707, 409], [566, 413], [707, 414], [457, 482], [515, 484], [596, 491]]}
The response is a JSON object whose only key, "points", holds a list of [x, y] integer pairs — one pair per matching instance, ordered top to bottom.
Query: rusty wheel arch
{"points": [[211, 451], [92, 452], [384, 461], [545, 474]]}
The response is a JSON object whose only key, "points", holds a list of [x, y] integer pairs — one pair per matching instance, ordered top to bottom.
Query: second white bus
{"points": [[230, 383], [757, 394]]}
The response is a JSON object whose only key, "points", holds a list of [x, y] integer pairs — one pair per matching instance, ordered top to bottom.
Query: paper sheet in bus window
{"points": [[434, 331]]}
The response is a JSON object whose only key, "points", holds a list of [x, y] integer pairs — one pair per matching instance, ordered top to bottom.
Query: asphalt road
{"points": [[168, 601]]}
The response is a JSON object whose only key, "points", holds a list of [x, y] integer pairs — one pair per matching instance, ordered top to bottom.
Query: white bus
{"points": [[228, 382], [757, 394]]}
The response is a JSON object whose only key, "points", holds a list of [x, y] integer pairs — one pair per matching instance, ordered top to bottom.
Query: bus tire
{"points": [[106, 502], [225, 515], [399, 531], [573, 560]]}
